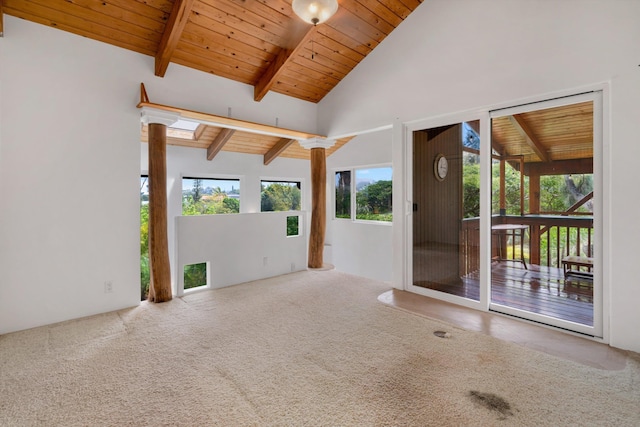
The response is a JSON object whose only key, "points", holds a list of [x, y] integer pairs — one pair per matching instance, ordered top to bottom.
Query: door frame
{"points": [[402, 152]]}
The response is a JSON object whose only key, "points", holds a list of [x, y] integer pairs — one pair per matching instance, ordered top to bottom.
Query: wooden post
{"points": [[503, 192], [318, 207], [534, 208], [160, 285]]}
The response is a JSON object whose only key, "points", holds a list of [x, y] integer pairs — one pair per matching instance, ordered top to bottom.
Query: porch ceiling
{"points": [[560, 133]]}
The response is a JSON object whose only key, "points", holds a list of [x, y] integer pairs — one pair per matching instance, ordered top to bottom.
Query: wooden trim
{"points": [[1, 21], [172, 33], [284, 56], [143, 93], [523, 128], [223, 137], [277, 149], [318, 207], [160, 285]]}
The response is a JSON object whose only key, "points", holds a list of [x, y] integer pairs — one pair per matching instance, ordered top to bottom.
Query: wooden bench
{"points": [[571, 265]]}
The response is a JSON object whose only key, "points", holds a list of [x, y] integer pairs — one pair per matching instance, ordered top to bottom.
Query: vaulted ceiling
{"points": [[257, 42]]}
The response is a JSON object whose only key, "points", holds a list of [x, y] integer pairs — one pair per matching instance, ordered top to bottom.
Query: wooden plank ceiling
{"points": [[257, 42], [543, 136]]}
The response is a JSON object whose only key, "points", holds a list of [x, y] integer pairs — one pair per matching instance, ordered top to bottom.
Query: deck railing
{"points": [[549, 239]]}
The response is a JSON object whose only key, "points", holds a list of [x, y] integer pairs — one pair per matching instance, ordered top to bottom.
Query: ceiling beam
{"points": [[172, 33], [284, 56], [523, 128], [199, 131], [217, 144], [277, 149], [559, 167]]}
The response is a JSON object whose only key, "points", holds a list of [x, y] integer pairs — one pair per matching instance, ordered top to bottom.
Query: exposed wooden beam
{"points": [[1, 21], [172, 33], [284, 56], [523, 128], [217, 144], [277, 149], [559, 167]]}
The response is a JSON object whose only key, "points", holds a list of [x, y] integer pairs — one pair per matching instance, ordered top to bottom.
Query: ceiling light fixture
{"points": [[315, 11]]}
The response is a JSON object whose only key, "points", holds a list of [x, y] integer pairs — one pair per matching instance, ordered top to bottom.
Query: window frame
{"points": [[219, 177], [299, 181], [353, 193]]}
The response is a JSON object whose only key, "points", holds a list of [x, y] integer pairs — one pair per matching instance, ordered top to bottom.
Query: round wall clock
{"points": [[440, 167]]}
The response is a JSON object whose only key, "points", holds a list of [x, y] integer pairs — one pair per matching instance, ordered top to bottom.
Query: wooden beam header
{"points": [[226, 122]]}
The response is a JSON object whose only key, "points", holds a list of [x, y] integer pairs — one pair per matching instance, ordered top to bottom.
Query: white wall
{"points": [[452, 56], [70, 166], [249, 168], [240, 247], [360, 248]]}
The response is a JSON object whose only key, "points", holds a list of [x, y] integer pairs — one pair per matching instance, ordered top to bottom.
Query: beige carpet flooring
{"points": [[313, 348]]}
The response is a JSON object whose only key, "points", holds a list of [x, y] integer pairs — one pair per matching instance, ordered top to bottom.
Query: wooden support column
{"points": [[318, 200], [318, 207], [160, 283]]}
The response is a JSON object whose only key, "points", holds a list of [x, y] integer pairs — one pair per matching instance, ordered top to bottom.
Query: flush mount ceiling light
{"points": [[315, 11]]}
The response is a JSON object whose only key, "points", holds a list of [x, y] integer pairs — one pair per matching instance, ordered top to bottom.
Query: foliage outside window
{"points": [[373, 190], [343, 194], [203, 196], [280, 196], [293, 227], [145, 275], [195, 275]]}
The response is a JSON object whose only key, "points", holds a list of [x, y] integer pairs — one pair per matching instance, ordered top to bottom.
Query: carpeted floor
{"points": [[313, 348]]}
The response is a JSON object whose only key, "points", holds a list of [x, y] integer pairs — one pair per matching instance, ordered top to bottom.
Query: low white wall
{"points": [[249, 168], [239, 247]]}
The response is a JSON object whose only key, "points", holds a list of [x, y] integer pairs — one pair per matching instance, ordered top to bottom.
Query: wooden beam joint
{"points": [[172, 33], [223, 137], [277, 149]]}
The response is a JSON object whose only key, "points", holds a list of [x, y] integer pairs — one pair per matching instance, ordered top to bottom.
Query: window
{"points": [[373, 190], [343, 194], [205, 196], [279, 196], [293, 226], [195, 275]]}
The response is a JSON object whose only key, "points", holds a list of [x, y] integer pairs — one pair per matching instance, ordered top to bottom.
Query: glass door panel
{"points": [[543, 197], [446, 209]]}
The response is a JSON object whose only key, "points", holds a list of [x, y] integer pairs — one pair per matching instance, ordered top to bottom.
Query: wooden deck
{"points": [[541, 290]]}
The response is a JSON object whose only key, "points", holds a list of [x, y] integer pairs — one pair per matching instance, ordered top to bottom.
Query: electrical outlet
{"points": [[265, 261], [293, 266], [108, 287]]}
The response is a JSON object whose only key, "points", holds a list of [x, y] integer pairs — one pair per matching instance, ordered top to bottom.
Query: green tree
{"points": [[196, 192], [343, 194], [279, 197], [374, 202]]}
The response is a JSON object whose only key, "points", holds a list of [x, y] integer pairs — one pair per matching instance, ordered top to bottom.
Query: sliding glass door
{"points": [[545, 206], [504, 211]]}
